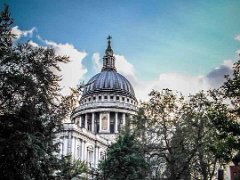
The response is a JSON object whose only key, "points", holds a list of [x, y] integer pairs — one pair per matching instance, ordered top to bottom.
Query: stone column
{"points": [[124, 119], [109, 120], [80, 121], [86, 121], [100, 122], [116, 122], [93, 123], [65, 144], [69, 145], [62, 146], [73, 146], [83, 150], [98, 155], [81, 156], [95, 156]]}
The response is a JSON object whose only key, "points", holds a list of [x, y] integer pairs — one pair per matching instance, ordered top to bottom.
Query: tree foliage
{"points": [[231, 88], [231, 91], [30, 107], [183, 137], [124, 160], [69, 168]]}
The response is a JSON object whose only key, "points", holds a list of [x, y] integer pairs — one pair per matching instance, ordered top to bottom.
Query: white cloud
{"points": [[22, 33], [237, 37], [33, 43], [238, 52], [96, 62], [228, 63], [124, 67], [73, 71], [216, 77], [186, 84]]}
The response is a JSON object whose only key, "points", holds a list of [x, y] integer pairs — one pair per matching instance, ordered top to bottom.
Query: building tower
{"points": [[107, 102]]}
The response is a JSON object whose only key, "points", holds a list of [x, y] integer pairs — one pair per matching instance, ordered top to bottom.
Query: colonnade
{"points": [[93, 121]]}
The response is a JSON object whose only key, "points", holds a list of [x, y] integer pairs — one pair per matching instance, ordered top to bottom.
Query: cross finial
{"points": [[109, 38], [109, 42]]}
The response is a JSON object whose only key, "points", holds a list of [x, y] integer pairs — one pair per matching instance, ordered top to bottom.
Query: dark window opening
{"points": [[105, 97], [111, 97], [117, 98], [112, 120], [83, 122], [89, 124], [111, 127]]}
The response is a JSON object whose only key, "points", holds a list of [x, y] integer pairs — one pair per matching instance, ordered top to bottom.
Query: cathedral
{"points": [[107, 103]]}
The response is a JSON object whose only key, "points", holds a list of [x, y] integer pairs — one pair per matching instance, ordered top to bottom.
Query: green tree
{"points": [[231, 88], [231, 92], [30, 107], [167, 135], [183, 137], [124, 160], [69, 168]]}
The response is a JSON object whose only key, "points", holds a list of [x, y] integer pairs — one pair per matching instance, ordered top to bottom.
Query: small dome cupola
{"points": [[108, 58]]}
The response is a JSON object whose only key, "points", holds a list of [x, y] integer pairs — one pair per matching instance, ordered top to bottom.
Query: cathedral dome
{"points": [[109, 81]]}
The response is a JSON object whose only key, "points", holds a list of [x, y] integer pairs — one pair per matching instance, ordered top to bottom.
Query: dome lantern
{"points": [[109, 59]]}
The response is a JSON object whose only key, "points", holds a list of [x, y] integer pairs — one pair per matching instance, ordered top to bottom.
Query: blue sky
{"points": [[187, 38]]}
